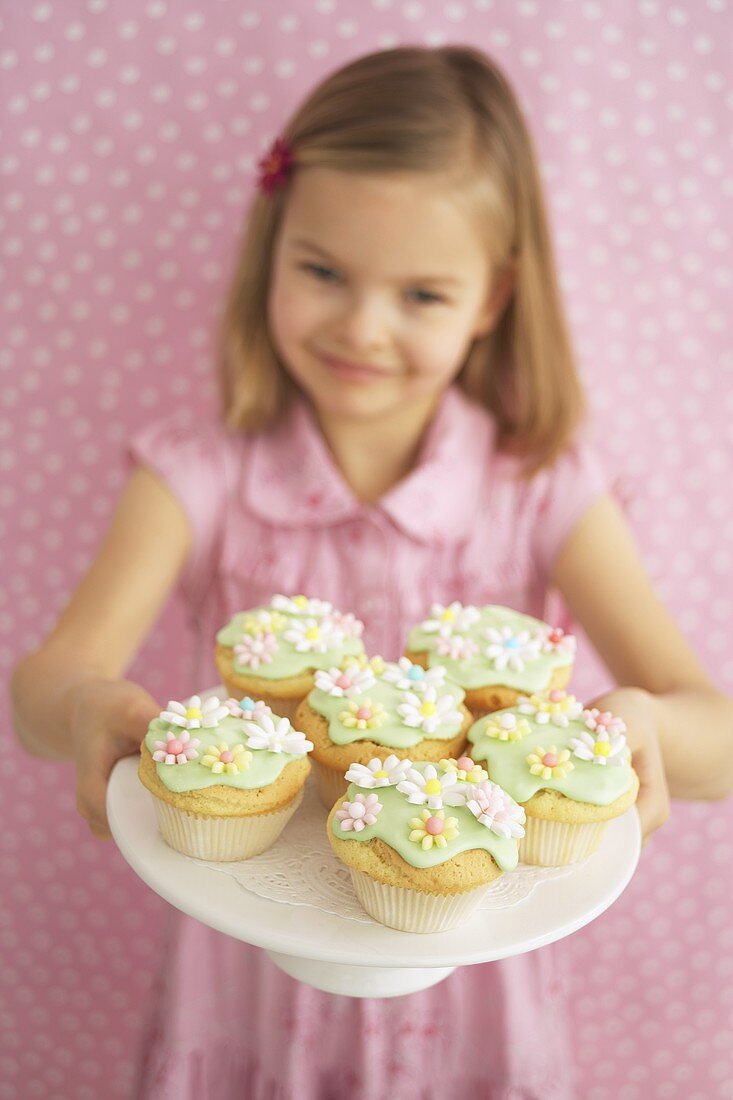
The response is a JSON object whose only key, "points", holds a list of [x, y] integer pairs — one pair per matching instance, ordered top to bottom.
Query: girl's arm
{"points": [[601, 576], [68, 700]]}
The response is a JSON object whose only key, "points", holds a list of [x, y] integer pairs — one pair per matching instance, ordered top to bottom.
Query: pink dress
{"points": [[272, 513]]}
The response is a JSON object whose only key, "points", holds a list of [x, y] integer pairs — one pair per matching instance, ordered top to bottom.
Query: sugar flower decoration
{"points": [[301, 605], [450, 620], [264, 621], [348, 624], [312, 636], [557, 641], [456, 647], [255, 650], [507, 650], [360, 660], [410, 677], [345, 682], [555, 706], [247, 708], [426, 711], [195, 715], [364, 715], [604, 721], [505, 726], [276, 735], [598, 747], [178, 748], [231, 759], [549, 763], [464, 770], [379, 773], [430, 788], [497, 810], [360, 812], [432, 830]]}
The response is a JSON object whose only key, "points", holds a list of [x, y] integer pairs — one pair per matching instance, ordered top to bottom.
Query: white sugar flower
{"points": [[301, 605], [450, 620], [348, 624], [311, 636], [456, 647], [255, 650], [509, 650], [409, 677], [348, 682], [556, 707], [427, 711], [195, 715], [276, 735], [601, 747], [176, 749], [379, 773], [431, 788], [497, 810], [358, 813]]}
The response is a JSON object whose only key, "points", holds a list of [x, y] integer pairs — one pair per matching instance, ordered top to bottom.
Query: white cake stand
{"points": [[345, 956]]}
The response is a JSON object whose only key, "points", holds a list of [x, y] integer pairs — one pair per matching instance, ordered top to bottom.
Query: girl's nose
{"points": [[365, 324]]}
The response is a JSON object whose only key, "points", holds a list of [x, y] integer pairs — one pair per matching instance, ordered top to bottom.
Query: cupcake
{"points": [[271, 653], [494, 653], [364, 710], [567, 766], [225, 777], [424, 844]]}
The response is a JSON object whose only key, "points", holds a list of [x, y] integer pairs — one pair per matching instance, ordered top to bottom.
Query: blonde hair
{"points": [[448, 110]]}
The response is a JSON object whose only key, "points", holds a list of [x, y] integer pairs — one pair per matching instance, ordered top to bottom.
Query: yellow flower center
{"points": [[301, 601], [448, 615], [313, 633], [428, 710], [193, 712], [603, 748], [380, 775], [432, 786]]}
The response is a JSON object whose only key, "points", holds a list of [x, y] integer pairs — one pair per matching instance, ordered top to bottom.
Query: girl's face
{"points": [[380, 285]]}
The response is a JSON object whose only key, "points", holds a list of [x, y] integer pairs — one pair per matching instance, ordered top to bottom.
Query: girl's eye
{"points": [[327, 274]]}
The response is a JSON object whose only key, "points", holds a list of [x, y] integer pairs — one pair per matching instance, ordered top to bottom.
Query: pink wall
{"points": [[129, 134]]}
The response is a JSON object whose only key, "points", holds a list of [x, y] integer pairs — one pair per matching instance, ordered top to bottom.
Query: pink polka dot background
{"points": [[130, 131]]}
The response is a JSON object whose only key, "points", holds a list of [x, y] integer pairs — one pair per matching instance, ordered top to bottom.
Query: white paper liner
{"points": [[330, 782], [221, 838], [556, 843], [413, 911]]}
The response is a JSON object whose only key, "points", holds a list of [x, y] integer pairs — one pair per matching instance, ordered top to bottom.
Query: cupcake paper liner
{"points": [[330, 783], [221, 838], [555, 843], [411, 910]]}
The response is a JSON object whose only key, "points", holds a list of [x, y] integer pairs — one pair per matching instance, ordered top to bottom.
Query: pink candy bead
{"points": [[343, 682], [556, 696], [364, 712], [175, 746], [226, 757], [549, 759], [465, 763], [434, 826]]}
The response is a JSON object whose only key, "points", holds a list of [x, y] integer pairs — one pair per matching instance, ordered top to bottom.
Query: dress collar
{"points": [[293, 480]]}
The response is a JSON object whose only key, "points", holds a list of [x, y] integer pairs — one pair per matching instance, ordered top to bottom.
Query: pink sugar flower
{"points": [[178, 748], [362, 811]]}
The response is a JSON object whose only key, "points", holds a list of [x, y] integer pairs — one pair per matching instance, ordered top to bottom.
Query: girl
{"points": [[400, 427]]}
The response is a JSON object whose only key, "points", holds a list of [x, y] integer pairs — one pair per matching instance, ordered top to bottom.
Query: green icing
{"points": [[287, 661], [478, 671], [394, 734], [506, 763], [264, 769], [393, 827]]}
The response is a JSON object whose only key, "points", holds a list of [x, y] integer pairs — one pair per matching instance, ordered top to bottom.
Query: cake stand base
{"points": [[360, 981]]}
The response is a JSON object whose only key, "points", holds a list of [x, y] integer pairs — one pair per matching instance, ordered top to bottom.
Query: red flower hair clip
{"points": [[275, 166]]}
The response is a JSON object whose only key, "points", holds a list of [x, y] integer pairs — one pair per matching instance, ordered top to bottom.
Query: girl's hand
{"points": [[636, 707], [109, 719]]}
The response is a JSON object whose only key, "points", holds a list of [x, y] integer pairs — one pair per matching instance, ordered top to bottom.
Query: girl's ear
{"points": [[498, 301]]}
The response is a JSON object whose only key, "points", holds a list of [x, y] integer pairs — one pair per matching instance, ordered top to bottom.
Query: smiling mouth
{"points": [[357, 370]]}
